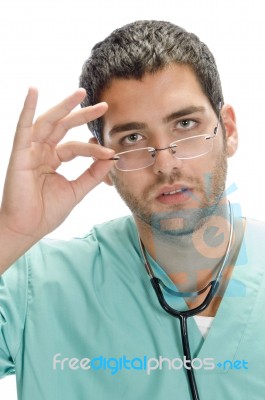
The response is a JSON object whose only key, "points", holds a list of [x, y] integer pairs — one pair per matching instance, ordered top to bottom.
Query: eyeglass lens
{"points": [[182, 149]]}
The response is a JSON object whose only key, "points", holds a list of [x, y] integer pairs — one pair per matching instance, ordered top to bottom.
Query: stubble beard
{"points": [[210, 191]]}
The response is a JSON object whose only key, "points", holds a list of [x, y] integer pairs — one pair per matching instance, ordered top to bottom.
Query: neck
{"points": [[191, 257]]}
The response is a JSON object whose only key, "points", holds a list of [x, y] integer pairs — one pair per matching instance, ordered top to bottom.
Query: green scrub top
{"points": [[80, 320]]}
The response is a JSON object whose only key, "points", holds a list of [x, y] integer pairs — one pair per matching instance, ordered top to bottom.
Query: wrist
{"points": [[12, 244]]}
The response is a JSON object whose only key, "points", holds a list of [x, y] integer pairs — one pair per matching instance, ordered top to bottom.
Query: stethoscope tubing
{"points": [[182, 316], [186, 352]]}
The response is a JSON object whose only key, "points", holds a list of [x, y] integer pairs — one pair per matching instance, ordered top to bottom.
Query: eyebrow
{"points": [[183, 113], [130, 126]]}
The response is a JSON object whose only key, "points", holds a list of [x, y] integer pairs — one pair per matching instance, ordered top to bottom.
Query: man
{"points": [[80, 319]]}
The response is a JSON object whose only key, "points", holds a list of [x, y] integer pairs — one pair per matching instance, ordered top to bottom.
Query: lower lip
{"points": [[176, 198]]}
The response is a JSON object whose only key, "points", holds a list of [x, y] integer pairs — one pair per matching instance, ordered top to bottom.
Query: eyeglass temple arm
{"points": [[219, 117], [114, 158]]}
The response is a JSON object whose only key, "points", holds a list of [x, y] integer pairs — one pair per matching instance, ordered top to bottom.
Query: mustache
{"points": [[174, 179]]}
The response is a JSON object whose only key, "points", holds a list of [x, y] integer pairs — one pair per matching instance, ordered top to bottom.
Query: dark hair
{"points": [[147, 47]]}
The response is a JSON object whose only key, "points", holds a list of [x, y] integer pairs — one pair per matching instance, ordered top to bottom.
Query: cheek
{"points": [[200, 167], [205, 170], [129, 180]]}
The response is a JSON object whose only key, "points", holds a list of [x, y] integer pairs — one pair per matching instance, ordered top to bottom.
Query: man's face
{"points": [[144, 113]]}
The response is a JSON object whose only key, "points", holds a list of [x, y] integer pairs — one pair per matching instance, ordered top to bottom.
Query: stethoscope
{"points": [[184, 315]]}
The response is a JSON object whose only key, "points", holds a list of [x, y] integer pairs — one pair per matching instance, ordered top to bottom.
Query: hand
{"points": [[36, 198]]}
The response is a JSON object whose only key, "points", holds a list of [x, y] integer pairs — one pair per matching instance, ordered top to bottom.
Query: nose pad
{"points": [[173, 150], [165, 161]]}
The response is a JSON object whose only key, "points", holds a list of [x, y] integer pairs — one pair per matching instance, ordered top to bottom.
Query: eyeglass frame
{"points": [[171, 146]]}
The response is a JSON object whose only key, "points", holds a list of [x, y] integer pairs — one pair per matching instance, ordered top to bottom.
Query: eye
{"points": [[186, 124], [131, 139]]}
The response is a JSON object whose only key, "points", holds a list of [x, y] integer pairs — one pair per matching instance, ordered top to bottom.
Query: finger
{"points": [[75, 119], [24, 125], [44, 125], [70, 150], [91, 178]]}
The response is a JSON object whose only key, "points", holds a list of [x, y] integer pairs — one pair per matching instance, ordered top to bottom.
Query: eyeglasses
{"points": [[183, 149]]}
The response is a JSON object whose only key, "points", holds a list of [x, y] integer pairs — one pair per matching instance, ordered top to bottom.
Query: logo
{"points": [[146, 364]]}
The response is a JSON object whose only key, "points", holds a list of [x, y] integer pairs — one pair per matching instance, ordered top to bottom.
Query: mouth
{"points": [[182, 190], [174, 195]]}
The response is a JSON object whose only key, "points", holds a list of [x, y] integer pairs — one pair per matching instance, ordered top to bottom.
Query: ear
{"points": [[229, 121], [93, 140], [107, 179]]}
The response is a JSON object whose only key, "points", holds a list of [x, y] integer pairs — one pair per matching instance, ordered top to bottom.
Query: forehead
{"points": [[149, 99]]}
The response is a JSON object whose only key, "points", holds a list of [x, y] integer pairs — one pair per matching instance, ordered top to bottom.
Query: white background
{"points": [[44, 43]]}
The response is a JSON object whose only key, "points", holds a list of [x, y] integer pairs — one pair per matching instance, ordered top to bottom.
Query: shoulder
{"points": [[256, 227], [121, 229], [107, 231], [254, 240], [52, 256]]}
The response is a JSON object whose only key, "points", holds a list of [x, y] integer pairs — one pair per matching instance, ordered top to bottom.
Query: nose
{"points": [[165, 162]]}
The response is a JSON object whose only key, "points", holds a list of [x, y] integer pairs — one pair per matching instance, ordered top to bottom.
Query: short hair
{"points": [[145, 47]]}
